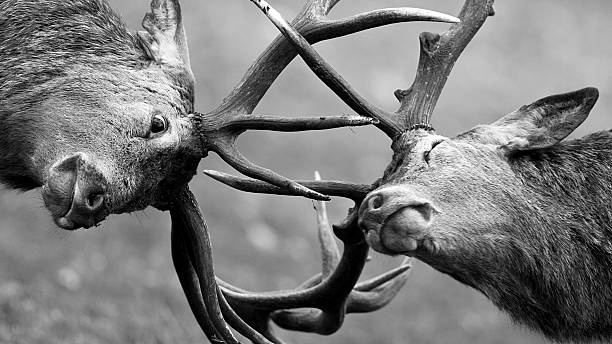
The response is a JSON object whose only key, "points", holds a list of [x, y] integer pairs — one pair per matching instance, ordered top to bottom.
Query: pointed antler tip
{"points": [[212, 173], [309, 193]]}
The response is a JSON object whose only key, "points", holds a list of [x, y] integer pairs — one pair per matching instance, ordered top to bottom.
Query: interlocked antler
{"points": [[439, 52], [438, 56], [220, 128], [333, 294], [320, 304]]}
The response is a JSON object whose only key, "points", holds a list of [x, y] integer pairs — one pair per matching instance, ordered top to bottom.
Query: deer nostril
{"points": [[95, 200], [376, 202]]}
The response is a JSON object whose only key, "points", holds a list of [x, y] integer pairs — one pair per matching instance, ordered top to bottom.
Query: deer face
{"points": [[93, 114], [98, 150], [439, 190]]}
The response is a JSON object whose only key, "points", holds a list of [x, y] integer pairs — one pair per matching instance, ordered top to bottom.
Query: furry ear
{"points": [[164, 40], [540, 124]]}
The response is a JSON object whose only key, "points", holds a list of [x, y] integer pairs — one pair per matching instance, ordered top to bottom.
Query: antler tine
{"points": [[438, 56], [227, 121], [262, 122], [229, 152], [355, 192], [193, 254], [330, 254], [390, 275], [190, 284], [375, 293], [262, 337]]}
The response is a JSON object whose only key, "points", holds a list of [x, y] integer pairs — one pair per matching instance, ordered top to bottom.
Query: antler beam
{"points": [[439, 52]]}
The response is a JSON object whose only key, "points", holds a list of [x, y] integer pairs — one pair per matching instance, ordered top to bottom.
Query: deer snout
{"points": [[75, 193], [395, 219]]}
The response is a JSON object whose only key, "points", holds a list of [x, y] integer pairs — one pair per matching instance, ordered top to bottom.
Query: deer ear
{"points": [[164, 40], [546, 121]]}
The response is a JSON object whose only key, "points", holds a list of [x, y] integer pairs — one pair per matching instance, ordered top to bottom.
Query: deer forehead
{"points": [[454, 160]]}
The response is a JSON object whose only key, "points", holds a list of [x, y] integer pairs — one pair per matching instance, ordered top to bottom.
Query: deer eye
{"points": [[159, 124], [427, 153]]}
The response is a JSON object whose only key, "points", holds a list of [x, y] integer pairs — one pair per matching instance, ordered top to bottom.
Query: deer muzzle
{"points": [[75, 193], [395, 219]]}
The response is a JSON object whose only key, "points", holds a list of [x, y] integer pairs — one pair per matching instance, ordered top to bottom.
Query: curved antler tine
{"points": [[387, 16], [273, 123], [230, 154], [355, 192], [188, 220], [330, 254], [385, 277], [189, 282], [225, 285], [374, 294], [377, 298], [243, 317], [309, 320], [240, 325]]}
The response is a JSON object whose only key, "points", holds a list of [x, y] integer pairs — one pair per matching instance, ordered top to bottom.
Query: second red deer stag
{"points": [[508, 208]]}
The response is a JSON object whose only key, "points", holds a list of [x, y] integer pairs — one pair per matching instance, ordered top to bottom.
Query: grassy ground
{"points": [[117, 285]]}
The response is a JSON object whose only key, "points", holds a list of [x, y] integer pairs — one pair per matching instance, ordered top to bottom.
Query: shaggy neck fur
{"points": [[550, 267]]}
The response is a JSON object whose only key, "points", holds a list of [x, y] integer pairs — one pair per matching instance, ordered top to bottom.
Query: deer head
{"points": [[93, 114], [429, 194]]}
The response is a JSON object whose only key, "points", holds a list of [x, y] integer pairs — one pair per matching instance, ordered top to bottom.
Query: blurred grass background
{"points": [[117, 284]]}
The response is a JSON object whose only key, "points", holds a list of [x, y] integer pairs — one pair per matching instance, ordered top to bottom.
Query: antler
{"points": [[439, 52], [438, 56], [220, 128], [355, 192], [192, 257], [328, 296], [320, 304]]}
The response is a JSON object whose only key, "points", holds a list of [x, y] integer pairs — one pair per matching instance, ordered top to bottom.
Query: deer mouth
{"points": [[397, 234]]}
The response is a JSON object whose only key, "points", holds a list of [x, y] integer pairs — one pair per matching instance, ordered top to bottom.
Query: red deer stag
{"points": [[93, 114], [508, 208]]}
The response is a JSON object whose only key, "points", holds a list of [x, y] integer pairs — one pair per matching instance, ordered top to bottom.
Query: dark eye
{"points": [[159, 124], [426, 154]]}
